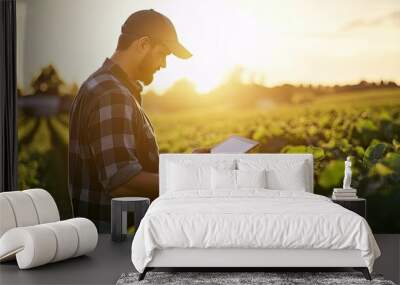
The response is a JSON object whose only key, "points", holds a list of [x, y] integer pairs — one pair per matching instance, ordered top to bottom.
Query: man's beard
{"points": [[145, 70]]}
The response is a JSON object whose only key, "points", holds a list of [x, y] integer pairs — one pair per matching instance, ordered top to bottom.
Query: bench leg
{"points": [[364, 271]]}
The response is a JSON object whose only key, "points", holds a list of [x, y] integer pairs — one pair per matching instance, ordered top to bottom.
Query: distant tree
{"points": [[48, 81], [392, 84], [72, 89], [182, 89], [181, 95]]}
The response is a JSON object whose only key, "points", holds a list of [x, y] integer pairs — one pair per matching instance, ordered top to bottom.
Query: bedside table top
{"points": [[130, 199], [351, 199]]}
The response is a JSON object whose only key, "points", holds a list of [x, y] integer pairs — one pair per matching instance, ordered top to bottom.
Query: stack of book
{"points": [[344, 194]]}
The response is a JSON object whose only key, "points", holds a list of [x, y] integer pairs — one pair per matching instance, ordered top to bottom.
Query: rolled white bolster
{"points": [[45, 205], [23, 208], [7, 218], [87, 235], [52, 242], [34, 245]]}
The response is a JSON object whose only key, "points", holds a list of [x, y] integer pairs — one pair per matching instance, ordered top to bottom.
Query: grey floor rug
{"points": [[232, 278]]}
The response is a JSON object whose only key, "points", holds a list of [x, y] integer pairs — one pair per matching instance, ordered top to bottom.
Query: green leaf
{"points": [[384, 115], [365, 125], [312, 130], [260, 133], [374, 142], [329, 145], [345, 145], [396, 145], [294, 149], [359, 150], [317, 152], [374, 152], [392, 160], [380, 169], [332, 175]]}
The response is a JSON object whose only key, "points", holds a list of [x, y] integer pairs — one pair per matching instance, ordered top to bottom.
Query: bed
{"points": [[247, 211]]}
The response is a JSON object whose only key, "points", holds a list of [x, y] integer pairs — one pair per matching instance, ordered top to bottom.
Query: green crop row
{"points": [[367, 128]]}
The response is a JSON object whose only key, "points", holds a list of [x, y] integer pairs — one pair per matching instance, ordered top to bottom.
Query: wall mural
{"points": [[360, 119]]}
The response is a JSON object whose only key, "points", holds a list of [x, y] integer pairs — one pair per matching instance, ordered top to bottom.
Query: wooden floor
{"points": [[110, 260]]}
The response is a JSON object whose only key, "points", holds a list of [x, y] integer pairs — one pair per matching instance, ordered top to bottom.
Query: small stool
{"points": [[119, 209]]}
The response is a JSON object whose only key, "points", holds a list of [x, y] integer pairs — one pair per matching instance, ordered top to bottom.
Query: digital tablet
{"points": [[235, 144]]}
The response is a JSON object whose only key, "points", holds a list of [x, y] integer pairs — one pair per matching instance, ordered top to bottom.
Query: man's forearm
{"points": [[144, 184]]}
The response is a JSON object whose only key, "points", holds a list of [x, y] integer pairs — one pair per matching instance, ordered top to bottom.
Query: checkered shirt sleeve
{"points": [[111, 139]]}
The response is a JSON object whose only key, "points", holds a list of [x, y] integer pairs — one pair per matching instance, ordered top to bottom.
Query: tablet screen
{"points": [[234, 144]]}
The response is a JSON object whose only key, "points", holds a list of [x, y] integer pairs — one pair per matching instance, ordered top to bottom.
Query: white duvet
{"points": [[250, 219]]}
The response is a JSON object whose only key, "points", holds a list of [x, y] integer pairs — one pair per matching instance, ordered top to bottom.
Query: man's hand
{"points": [[201, 150]]}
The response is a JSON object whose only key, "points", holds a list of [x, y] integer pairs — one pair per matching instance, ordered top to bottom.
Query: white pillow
{"points": [[281, 174], [189, 175], [183, 178], [251, 178], [223, 179], [227, 179]]}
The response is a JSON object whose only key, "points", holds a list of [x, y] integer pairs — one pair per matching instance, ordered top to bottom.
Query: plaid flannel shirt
{"points": [[111, 139]]}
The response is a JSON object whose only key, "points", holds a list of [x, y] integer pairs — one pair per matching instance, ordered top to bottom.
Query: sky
{"points": [[286, 41]]}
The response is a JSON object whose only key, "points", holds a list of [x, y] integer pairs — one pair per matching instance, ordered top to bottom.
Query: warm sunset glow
{"points": [[224, 37], [276, 42], [281, 42]]}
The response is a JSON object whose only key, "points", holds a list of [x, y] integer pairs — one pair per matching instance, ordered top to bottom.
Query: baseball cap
{"points": [[158, 27]]}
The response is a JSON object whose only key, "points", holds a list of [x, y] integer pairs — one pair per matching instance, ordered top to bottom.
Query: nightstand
{"points": [[357, 205], [119, 208]]}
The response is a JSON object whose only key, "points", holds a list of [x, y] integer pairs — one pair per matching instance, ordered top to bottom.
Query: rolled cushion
{"points": [[45, 205], [23, 208], [26, 208], [7, 218], [87, 235], [66, 238], [41, 244], [33, 246]]}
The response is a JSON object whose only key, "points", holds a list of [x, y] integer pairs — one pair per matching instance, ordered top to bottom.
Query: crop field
{"points": [[363, 125]]}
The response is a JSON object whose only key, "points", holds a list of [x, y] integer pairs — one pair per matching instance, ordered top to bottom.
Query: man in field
{"points": [[112, 149]]}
